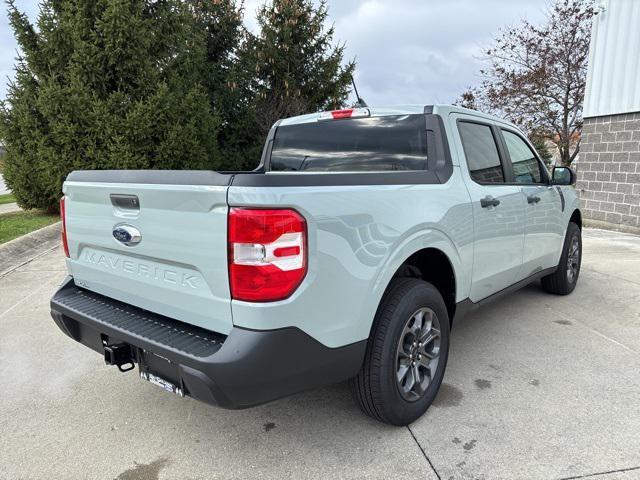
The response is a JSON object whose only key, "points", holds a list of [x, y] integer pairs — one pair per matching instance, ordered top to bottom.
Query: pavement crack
{"points": [[29, 260], [24, 299], [424, 454], [589, 475]]}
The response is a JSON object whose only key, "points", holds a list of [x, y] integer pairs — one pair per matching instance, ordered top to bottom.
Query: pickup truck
{"points": [[346, 255]]}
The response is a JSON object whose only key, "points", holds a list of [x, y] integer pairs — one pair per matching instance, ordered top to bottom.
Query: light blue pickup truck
{"points": [[346, 255]]}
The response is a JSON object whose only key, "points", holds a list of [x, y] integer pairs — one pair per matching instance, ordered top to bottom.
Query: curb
{"points": [[612, 227], [21, 250]]}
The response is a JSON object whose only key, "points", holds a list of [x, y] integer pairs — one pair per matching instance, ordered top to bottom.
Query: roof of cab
{"points": [[443, 110]]}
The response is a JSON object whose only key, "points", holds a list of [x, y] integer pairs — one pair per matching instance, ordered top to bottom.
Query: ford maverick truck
{"points": [[347, 255]]}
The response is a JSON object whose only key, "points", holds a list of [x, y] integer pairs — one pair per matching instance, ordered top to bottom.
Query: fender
{"points": [[572, 205], [431, 237]]}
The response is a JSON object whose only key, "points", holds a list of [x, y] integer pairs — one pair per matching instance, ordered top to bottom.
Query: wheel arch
{"points": [[576, 217], [429, 254], [434, 266]]}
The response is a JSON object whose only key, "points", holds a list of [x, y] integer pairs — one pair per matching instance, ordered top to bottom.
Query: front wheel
{"points": [[565, 278], [406, 354]]}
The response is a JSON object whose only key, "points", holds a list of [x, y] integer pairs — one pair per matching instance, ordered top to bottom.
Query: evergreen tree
{"points": [[298, 69], [227, 76], [105, 84], [147, 84], [539, 141]]}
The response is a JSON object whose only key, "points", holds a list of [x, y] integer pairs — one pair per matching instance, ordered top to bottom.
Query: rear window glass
{"points": [[396, 142]]}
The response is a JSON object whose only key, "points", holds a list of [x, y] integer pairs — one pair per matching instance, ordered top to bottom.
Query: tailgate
{"points": [[179, 266]]}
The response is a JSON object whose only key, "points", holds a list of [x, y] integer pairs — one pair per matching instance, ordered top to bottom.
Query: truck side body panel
{"points": [[498, 231], [358, 237], [516, 240]]}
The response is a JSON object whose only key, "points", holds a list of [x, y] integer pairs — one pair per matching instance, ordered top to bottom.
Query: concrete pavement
{"points": [[3, 186], [9, 208], [26, 248], [537, 387]]}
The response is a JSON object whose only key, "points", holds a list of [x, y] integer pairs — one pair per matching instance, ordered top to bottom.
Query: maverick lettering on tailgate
{"points": [[176, 276]]}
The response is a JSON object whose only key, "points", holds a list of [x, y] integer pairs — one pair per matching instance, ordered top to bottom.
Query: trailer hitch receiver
{"points": [[120, 355]]}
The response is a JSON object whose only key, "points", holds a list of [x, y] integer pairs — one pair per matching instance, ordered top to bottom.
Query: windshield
{"points": [[387, 143]]}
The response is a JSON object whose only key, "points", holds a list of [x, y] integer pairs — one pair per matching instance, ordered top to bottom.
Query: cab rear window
{"points": [[397, 142]]}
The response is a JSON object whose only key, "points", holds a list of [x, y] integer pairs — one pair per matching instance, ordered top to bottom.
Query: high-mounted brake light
{"points": [[346, 113], [63, 217], [267, 253]]}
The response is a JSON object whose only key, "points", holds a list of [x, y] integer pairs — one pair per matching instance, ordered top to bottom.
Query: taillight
{"points": [[63, 217], [267, 253]]}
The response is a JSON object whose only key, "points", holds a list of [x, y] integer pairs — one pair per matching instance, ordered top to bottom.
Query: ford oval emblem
{"points": [[127, 234]]}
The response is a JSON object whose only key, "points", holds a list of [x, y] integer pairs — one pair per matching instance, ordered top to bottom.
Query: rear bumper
{"points": [[243, 369]]}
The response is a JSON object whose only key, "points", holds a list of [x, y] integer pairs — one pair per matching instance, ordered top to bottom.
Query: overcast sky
{"points": [[408, 51]]}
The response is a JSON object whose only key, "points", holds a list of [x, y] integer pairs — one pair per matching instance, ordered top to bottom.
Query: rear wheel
{"points": [[565, 278], [406, 355]]}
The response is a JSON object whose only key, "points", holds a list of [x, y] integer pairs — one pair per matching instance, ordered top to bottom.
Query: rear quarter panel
{"points": [[358, 236]]}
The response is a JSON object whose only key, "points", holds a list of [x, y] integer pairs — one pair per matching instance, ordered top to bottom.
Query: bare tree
{"points": [[536, 75], [270, 108]]}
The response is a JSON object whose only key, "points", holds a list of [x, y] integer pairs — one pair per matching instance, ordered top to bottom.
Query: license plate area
{"points": [[161, 372]]}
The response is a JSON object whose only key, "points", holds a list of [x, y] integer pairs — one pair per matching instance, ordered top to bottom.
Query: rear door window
{"points": [[388, 143], [481, 151]]}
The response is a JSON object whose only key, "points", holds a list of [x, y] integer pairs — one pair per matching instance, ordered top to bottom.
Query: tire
{"points": [[565, 278], [376, 388]]}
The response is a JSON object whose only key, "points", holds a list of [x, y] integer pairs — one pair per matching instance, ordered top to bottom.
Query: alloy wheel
{"points": [[573, 260], [418, 354]]}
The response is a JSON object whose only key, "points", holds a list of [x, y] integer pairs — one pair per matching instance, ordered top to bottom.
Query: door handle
{"points": [[533, 199], [489, 201]]}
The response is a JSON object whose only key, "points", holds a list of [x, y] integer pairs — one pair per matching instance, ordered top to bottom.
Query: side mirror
{"points": [[563, 176]]}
